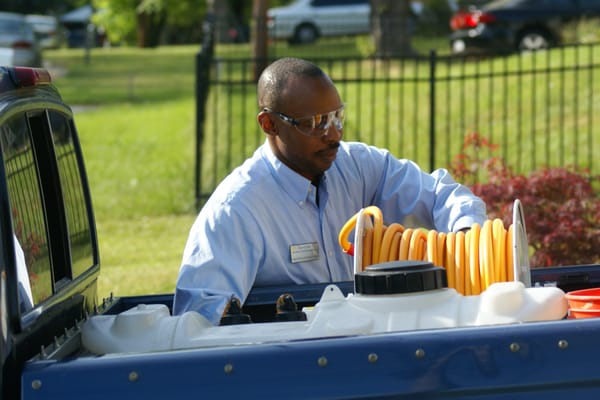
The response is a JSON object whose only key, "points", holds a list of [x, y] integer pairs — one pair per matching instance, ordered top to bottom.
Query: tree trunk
{"points": [[392, 24], [149, 28], [142, 29], [260, 36]]}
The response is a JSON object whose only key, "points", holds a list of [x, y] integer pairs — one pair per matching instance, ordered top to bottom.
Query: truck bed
{"points": [[537, 360]]}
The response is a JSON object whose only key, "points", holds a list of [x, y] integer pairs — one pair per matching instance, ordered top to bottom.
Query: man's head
{"points": [[301, 112]]}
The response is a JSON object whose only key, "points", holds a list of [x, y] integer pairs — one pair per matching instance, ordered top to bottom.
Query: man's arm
{"points": [[220, 260]]}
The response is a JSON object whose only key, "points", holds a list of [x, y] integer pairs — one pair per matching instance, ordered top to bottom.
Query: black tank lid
{"points": [[396, 277]]}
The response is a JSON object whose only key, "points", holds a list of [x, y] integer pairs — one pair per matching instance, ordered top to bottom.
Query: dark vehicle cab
{"points": [[516, 25], [49, 253], [368, 338]]}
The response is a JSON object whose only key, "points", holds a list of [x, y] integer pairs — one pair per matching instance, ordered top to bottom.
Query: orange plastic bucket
{"points": [[584, 303], [575, 313]]}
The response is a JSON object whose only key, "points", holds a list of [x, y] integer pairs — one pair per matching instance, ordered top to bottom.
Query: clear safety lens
{"points": [[317, 125]]}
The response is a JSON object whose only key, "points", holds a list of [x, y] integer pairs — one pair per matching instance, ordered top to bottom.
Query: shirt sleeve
{"points": [[436, 200], [455, 206], [218, 263]]}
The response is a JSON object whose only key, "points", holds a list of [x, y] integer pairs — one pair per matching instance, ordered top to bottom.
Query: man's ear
{"points": [[266, 123]]}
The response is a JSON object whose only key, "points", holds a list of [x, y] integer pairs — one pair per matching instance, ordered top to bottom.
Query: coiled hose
{"points": [[473, 260]]}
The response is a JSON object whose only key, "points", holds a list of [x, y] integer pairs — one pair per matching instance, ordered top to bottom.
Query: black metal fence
{"points": [[541, 109]]}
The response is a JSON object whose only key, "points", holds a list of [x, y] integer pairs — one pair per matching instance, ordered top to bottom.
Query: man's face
{"points": [[308, 155]]}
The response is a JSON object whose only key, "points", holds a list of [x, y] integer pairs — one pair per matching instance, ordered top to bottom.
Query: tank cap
{"points": [[396, 277], [233, 314]]}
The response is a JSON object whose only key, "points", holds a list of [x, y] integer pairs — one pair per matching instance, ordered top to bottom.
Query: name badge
{"points": [[304, 252]]}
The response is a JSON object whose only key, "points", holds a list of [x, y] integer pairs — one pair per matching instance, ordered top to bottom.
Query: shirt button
{"points": [[330, 253]]}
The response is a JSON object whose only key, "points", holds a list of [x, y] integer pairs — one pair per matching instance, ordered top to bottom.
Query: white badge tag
{"points": [[304, 252]]}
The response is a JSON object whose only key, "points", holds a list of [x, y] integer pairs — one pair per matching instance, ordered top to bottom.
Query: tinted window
{"points": [[72, 192], [26, 207], [54, 241]]}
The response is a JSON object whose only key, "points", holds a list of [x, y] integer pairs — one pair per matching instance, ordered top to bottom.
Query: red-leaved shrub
{"points": [[561, 205]]}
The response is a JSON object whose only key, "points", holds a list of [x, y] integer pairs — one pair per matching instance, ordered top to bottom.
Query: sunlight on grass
{"points": [[117, 75], [134, 111], [140, 159], [140, 168], [141, 255]]}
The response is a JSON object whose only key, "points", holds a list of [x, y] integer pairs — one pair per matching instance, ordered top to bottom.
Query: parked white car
{"points": [[303, 21], [47, 29], [18, 43]]}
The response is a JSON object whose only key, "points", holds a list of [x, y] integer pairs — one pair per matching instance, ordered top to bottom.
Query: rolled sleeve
{"points": [[217, 263]]}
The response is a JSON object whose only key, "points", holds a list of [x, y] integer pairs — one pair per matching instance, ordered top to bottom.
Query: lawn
{"points": [[134, 110]]}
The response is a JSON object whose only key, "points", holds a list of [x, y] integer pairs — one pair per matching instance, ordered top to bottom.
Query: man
{"points": [[275, 219]]}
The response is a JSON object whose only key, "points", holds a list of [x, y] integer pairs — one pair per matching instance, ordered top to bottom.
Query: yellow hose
{"points": [[375, 212], [499, 234], [388, 239], [404, 244], [441, 245], [432, 247], [368, 251], [392, 254], [486, 254], [449, 260], [473, 260], [459, 262], [474, 270], [468, 283]]}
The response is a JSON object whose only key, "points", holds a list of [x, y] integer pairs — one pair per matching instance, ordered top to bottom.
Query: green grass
{"points": [[124, 75], [134, 111], [140, 165]]}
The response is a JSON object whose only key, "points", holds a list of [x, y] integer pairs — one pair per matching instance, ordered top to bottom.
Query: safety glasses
{"points": [[316, 125]]}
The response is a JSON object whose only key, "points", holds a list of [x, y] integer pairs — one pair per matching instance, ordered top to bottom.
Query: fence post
{"points": [[203, 61], [432, 62]]}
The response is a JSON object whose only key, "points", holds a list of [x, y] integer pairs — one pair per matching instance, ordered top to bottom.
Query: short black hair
{"points": [[273, 80]]}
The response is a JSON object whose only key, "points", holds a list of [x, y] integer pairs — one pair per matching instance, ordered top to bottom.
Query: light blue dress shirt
{"points": [[262, 225]]}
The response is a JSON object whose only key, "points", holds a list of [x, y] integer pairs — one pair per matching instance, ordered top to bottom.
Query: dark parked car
{"points": [[516, 25]]}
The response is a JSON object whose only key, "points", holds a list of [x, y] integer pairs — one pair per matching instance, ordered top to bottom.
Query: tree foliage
{"points": [[150, 22]]}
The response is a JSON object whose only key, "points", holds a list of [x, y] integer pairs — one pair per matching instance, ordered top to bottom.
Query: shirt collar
{"points": [[294, 184]]}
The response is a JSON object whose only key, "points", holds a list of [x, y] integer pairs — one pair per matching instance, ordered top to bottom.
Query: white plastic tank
{"points": [[390, 298]]}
